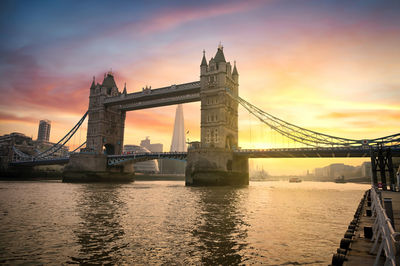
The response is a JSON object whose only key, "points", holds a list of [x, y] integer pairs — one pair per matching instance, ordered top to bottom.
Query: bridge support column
{"points": [[381, 160], [216, 167], [93, 168], [374, 170], [391, 170]]}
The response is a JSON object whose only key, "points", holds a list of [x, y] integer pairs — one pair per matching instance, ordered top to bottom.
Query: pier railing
{"points": [[383, 231]]}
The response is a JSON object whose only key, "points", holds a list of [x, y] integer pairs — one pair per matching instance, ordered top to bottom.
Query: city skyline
{"points": [[329, 67]]}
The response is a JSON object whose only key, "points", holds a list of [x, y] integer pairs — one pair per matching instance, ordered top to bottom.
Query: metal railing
{"points": [[122, 158], [383, 232]]}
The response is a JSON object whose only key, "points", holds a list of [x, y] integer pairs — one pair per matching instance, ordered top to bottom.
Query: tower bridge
{"points": [[216, 159]]}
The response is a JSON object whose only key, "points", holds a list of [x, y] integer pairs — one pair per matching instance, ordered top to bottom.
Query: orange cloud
{"points": [[362, 114], [9, 118]]}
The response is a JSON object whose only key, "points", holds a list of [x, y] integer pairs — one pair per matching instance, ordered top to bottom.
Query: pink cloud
{"points": [[28, 84], [13, 118]]}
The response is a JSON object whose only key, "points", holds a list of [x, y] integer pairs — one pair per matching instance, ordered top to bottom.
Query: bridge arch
{"points": [[109, 149]]}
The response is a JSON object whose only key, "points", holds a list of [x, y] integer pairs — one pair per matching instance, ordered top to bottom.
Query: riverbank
{"points": [[357, 180]]}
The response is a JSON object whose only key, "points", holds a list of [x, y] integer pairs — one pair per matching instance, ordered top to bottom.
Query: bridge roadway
{"points": [[149, 98], [334, 152], [349, 152], [353, 152], [54, 161]]}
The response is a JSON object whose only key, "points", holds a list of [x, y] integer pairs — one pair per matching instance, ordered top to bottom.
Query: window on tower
{"points": [[208, 136]]}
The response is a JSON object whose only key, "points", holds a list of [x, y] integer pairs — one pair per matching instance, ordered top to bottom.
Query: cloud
{"points": [[170, 18], [26, 83], [370, 115], [9, 118]]}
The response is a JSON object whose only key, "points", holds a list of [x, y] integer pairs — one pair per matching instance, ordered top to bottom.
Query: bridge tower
{"points": [[219, 111], [105, 133], [105, 136], [213, 163]]}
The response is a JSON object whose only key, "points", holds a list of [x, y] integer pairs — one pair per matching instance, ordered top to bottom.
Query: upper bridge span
{"points": [[149, 98]]}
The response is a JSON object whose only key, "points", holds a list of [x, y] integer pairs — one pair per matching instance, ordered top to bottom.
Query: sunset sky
{"points": [[330, 66]]}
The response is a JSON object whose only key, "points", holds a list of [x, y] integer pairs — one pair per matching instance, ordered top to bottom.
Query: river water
{"points": [[164, 222]]}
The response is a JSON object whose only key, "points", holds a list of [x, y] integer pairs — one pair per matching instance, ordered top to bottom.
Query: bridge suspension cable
{"points": [[310, 137], [63, 141], [80, 146]]}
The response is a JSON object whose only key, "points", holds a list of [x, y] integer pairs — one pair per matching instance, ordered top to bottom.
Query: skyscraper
{"points": [[44, 130], [178, 142]]}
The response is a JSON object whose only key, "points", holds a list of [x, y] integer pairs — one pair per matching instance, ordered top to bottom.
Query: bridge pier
{"points": [[382, 162], [216, 167], [93, 168]]}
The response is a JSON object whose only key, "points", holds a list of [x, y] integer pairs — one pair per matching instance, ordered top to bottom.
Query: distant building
{"points": [[44, 130], [23, 143], [178, 144], [25, 146], [42, 146], [154, 147], [146, 167], [339, 169], [366, 169], [336, 170], [321, 172]]}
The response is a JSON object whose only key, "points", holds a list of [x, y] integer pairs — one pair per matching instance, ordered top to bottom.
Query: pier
{"points": [[373, 236]]}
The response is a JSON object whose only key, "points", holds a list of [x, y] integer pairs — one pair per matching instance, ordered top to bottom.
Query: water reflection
{"points": [[221, 230], [99, 234]]}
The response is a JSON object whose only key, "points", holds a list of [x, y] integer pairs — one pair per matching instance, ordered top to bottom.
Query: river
{"points": [[164, 222]]}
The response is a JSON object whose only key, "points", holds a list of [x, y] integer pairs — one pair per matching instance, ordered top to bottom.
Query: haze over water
{"points": [[164, 222]]}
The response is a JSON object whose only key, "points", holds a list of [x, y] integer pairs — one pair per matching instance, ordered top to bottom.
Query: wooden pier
{"points": [[373, 236]]}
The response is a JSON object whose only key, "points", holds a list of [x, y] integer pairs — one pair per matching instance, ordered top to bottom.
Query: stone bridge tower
{"points": [[219, 110], [105, 133], [105, 136], [214, 163]]}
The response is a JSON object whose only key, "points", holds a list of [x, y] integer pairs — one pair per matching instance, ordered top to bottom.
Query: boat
{"points": [[260, 176], [340, 179], [294, 180]]}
